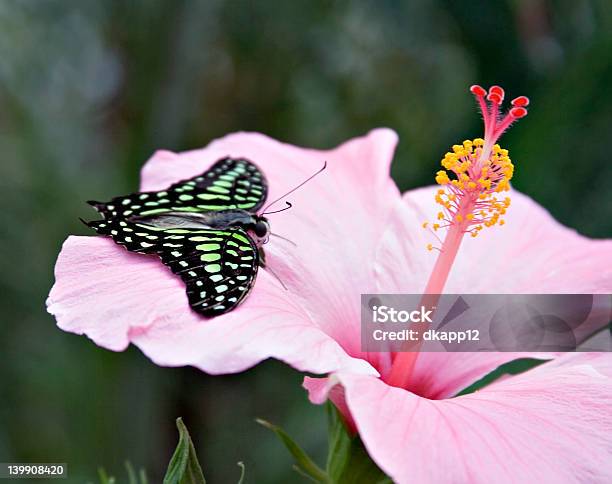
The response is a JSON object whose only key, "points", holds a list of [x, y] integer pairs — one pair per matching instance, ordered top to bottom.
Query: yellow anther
{"points": [[442, 178], [475, 180], [425, 224], [429, 247]]}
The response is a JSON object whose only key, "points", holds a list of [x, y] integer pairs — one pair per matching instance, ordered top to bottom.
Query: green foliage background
{"points": [[89, 89]]}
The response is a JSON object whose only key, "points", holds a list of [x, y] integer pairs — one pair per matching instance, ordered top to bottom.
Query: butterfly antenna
{"points": [[295, 188], [281, 210], [284, 238], [269, 269]]}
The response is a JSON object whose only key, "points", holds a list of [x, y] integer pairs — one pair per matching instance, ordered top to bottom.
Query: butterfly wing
{"points": [[231, 183], [218, 266]]}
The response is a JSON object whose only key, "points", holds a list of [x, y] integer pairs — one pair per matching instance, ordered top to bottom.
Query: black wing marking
{"points": [[231, 183], [218, 266]]}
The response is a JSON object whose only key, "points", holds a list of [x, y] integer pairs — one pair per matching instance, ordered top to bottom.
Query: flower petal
{"points": [[530, 254], [116, 297], [550, 424]]}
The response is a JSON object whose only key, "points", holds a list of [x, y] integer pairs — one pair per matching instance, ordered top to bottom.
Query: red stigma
{"points": [[478, 90], [498, 91], [494, 98], [521, 101], [490, 105], [518, 112]]}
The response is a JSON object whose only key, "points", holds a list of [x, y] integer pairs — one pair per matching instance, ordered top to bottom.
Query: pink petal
{"points": [[531, 254], [116, 297], [550, 424]]}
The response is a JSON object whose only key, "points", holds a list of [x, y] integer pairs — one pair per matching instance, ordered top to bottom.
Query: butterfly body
{"points": [[257, 226], [205, 229]]}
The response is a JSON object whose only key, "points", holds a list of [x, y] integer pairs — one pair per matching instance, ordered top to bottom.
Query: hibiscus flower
{"points": [[355, 234]]}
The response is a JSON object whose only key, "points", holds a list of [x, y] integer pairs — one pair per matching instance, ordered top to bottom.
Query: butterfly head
{"points": [[261, 229]]}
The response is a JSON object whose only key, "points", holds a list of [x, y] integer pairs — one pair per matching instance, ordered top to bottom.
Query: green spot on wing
{"points": [[218, 190], [212, 196], [186, 209], [154, 211], [199, 238], [241, 238], [206, 247], [212, 257]]}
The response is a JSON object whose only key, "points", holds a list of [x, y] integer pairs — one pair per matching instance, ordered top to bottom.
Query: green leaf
{"points": [[513, 367], [339, 444], [348, 461], [305, 465], [184, 467], [131, 474], [104, 477], [132, 477], [143, 477]]}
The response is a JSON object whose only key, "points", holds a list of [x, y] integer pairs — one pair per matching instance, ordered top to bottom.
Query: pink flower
{"points": [[356, 234]]}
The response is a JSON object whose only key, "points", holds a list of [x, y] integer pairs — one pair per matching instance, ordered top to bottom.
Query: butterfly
{"points": [[205, 229]]}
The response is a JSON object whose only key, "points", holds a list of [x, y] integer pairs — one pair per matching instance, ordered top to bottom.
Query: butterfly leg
{"points": [[262, 257], [262, 264]]}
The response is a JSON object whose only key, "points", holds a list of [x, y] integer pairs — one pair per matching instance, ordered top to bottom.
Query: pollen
{"points": [[477, 172]]}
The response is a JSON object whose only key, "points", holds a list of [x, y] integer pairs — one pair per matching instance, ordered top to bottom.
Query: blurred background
{"points": [[89, 89]]}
